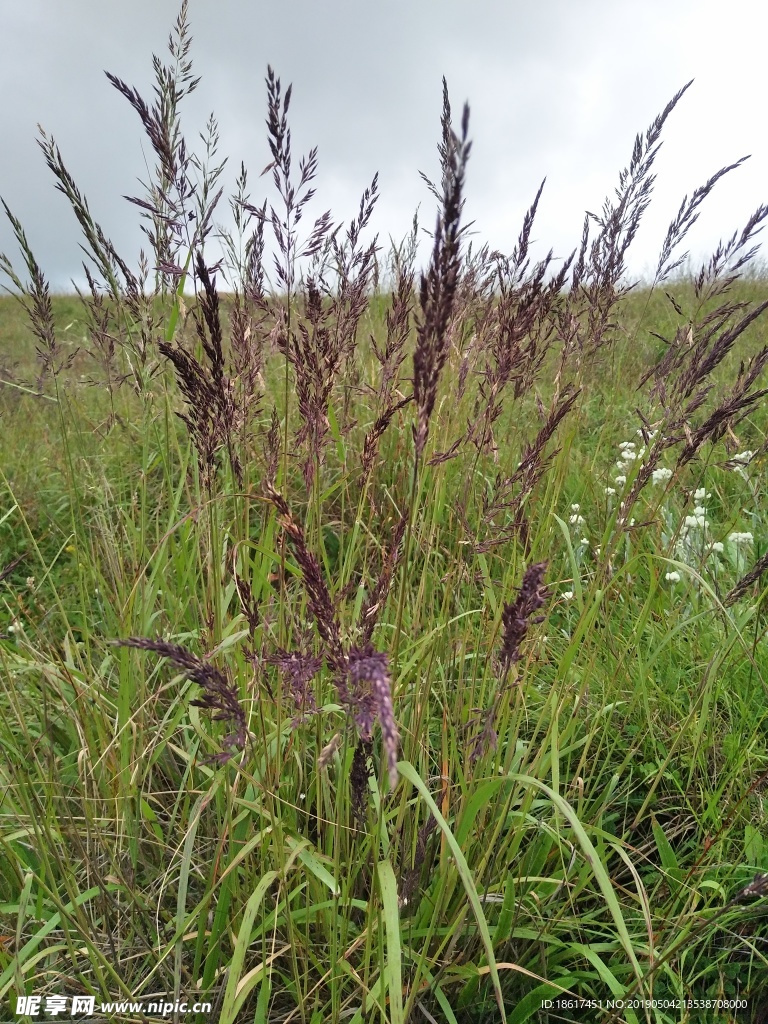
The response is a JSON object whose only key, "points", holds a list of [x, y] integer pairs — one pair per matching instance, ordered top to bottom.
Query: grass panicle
{"points": [[439, 285], [219, 694]]}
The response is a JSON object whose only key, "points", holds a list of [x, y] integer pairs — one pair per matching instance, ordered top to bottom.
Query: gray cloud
{"points": [[557, 89]]}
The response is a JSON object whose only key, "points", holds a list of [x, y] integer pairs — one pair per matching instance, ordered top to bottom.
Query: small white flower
{"points": [[626, 445], [742, 457], [660, 476], [620, 480], [610, 490], [701, 494], [575, 508], [699, 510], [576, 520], [697, 522], [740, 539], [584, 542], [718, 547], [672, 577], [567, 595]]}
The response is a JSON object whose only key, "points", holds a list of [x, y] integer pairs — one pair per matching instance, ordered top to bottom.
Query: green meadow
{"points": [[379, 645]]}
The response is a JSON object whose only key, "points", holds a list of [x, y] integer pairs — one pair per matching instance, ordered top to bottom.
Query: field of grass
{"points": [[383, 654]]}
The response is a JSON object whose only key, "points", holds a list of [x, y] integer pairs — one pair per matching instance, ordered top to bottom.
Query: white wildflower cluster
{"points": [[629, 455], [740, 462], [575, 518], [578, 527], [693, 533], [741, 539], [690, 540], [693, 544], [738, 550]]}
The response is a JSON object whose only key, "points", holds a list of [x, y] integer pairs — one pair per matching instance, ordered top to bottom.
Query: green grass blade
{"points": [[409, 772], [393, 953], [234, 994]]}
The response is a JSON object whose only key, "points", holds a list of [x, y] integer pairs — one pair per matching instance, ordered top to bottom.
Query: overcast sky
{"points": [[557, 89]]}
